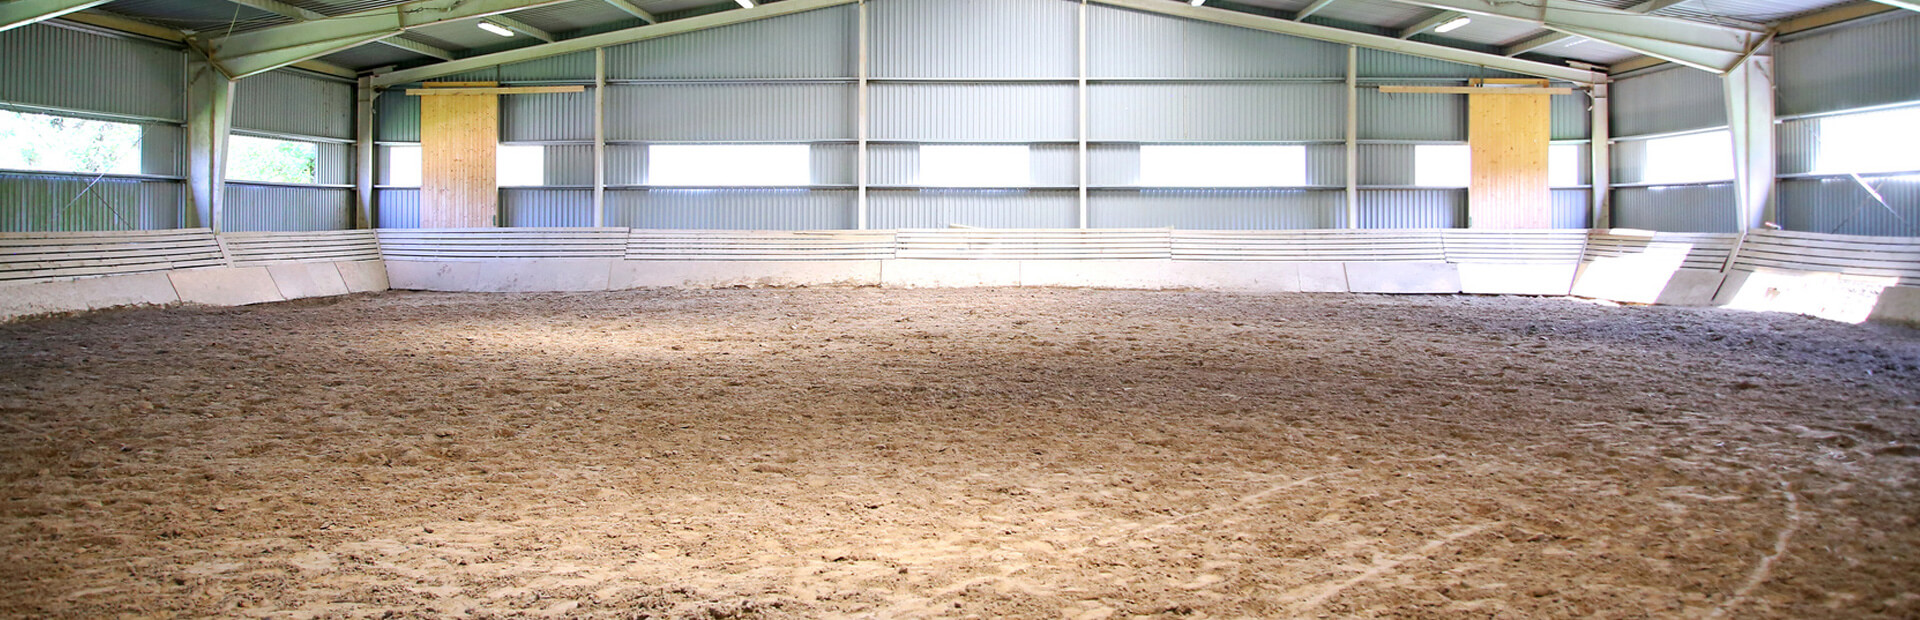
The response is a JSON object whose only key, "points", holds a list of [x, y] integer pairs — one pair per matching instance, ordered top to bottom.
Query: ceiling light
{"points": [[1196, 2], [745, 4], [1454, 25], [496, 29]]}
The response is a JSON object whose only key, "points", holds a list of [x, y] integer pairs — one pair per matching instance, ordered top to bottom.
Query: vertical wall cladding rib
{"points": [[974, 38], [814, 44], [1130, 44], [1374, 63], [58, 67], [575, 67], [1850, 67], [1677, 99], [296, 103], [730, 112], [976, 112], [1217, 112], [546, 116], [1411, 116], [1572, 116], [396, 117], [1797, 144], [163, 149], [1629, 161], [334, 163], [568, 164], [626, 164], [835, 164], [1116, 164], [1386, 164], [1052, 165], [63, 203], [1840, 205], [399, 207], [537, 207], [279, 208], [979, 208], [1413, 208], [1570, 208], [1675, 208], [733, 209], [1220, 209]]}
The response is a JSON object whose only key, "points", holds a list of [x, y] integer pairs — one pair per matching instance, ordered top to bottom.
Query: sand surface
{"points": [[958, 453]]}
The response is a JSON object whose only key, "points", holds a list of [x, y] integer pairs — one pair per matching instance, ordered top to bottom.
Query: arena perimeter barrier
{"points": [[1833, 276]]}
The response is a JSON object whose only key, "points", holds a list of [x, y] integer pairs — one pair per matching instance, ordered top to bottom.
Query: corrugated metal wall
{"points": [[974, 38], [814, 44], [1158, 47], [48, 68], [1850, 68], [1671, 100], [1666, 101], [295, 105], [730, 112], [1214, 112], [1841, 205], [255, 207], [979, 208], [1413, 208], [1675, 208], [733, 209], [1222, 209]]}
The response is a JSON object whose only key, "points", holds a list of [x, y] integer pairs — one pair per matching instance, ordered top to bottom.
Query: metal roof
{"points": [[585, 17]]}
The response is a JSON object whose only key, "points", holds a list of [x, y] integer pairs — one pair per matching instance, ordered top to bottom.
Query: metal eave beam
{"points": [[1904, 4], [1311, 9], [634, 10], [19, 13], [1430, 23], [121, 24], [522, 28], [617, 37], [1350, 37], [1549, 39], [417, 47], [1712, 47], [266, 49]]}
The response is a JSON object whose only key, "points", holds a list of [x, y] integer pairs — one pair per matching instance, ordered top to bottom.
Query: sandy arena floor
{"points": [[965, 453]]}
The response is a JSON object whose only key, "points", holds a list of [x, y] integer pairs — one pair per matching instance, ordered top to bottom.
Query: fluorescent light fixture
{"points": [[1196, 2], [745, 4], [1454, 25], [496, 29]]}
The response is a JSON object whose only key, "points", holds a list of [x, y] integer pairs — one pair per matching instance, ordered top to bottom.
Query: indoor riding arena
{"points": [[959, 309]]}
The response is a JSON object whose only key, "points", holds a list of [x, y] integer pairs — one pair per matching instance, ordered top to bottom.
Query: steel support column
{"points": [[1749, 95], [209, 119], [1353, 137], [363, 151], [1600, 203]]}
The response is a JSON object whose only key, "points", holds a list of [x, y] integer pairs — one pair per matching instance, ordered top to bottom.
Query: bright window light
{"points": [[1882, 141], [49, 143], [1692, 158], [272, 161], [729, 165], [973, 165], [1194, 165], [1442, 165], [1563, 165], [403, 166], [520, 166]]}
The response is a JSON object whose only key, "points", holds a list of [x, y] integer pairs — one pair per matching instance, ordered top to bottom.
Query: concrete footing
{"points": [[215, 286]]}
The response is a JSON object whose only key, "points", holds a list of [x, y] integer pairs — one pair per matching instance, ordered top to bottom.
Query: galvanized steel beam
{"points": [[1904, 4], [1311, 9], [634, 10], [19, 13], [1430, 23], [522, 28], [617, 37], [1350, 37], [417, 47], [1711, 47], [266, 49]]}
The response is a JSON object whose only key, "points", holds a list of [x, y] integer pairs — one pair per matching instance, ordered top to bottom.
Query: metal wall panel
{"points": [[974, 38], [814, 44], [1131, 44], [1374, 63], [575, 67], [1850, 67], [64, 68], [1677, 99], [290, 102], [732, 112], [974, 112], [1226, 112], [547, 116], [1410, 116], [396, 117], [1572, 118], [1797, 145], [163, 149], [333, 163], [569, 164], [1386, 164], [1053, 165], [1113, 165], [66, 203], [1839, 205], [533, 207], [252, 208], [397, 208], [978, 208], [1413, 208], [1571, 208], [1675, 208], [733, 209], [1217, 209]]}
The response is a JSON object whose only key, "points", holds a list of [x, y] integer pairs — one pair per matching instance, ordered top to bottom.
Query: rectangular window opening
{"points": [[1869, 142], [50, 143], [1692, 158], [272, 161], [520, 165], [729, 165], [975, 165], [1220, 165], [1442, 165], [1563, 165], [403, 166]]}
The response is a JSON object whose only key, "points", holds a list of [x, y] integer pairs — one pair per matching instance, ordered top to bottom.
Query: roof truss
{"points": [[1710, 47], [266, 49]]}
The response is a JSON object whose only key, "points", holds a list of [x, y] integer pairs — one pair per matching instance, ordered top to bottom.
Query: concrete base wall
{"points": [[1646, 282], [216, 286], [1832, 296]]}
